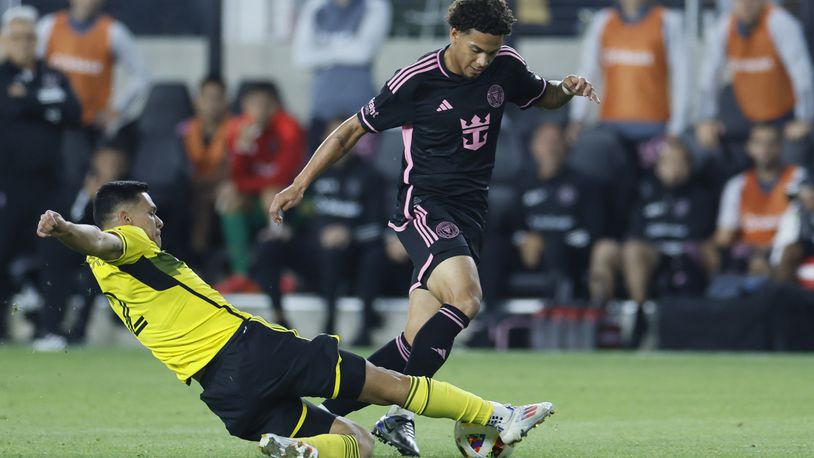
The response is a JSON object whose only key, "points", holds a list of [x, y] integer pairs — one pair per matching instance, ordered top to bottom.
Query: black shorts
{"points": [[435, 231], [255, 383]]}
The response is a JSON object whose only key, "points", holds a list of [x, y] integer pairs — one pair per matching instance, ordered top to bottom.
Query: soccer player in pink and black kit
{"points": [[449, 105]]}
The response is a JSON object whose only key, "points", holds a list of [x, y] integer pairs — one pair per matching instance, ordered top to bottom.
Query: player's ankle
{"points": [[398, 410], [501, 414]]}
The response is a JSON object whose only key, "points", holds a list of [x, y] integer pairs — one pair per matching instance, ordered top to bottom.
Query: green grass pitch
{"points": [[122, 402]]}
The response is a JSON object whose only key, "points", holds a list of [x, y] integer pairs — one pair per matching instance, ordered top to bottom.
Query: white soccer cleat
{"points": [[522, 420], [283, 447]]}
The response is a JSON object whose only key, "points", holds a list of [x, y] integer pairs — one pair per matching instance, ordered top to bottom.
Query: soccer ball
{"points": [[477, 441]]}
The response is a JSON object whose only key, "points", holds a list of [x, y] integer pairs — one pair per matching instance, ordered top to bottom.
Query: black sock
{"points": [[433, 343], [393, 355]]}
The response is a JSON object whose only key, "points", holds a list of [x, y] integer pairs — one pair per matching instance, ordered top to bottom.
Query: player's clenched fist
{"points": [[51, 224]]}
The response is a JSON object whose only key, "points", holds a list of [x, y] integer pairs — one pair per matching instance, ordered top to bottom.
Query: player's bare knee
{"points": [[632, 251], [467, 300]]}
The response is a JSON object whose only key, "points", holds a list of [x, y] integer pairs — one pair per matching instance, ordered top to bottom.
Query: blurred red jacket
{"points": [[272, 160]]}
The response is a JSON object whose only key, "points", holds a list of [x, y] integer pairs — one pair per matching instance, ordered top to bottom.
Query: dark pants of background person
{"points": [[23, 198], [563, 264], [328, 269], [63, 274]]}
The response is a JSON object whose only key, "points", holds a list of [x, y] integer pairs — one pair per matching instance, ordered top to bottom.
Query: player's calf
{"points": [[364, 439]]}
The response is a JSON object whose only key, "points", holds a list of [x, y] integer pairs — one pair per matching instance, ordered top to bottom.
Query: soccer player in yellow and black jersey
{"points": [[253, 373]]}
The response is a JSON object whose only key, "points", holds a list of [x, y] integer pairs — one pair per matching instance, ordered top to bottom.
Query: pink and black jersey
{"points": [[450, 125]]}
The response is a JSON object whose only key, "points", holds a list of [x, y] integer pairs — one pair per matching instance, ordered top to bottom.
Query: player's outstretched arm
{"points": [[558, 93], [339, 142], [83, 238]]}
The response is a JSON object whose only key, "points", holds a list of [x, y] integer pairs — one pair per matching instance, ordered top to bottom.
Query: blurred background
{"points": [[677, 215]]}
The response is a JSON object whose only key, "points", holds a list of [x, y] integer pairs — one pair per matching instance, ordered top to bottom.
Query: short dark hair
{"points": [[486, 16], [212, 79], [264, 86], [113, 194]]}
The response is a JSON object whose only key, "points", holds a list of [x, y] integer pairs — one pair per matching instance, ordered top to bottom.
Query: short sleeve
{"points": [[526, 87], [391, 108], [135, 244]]}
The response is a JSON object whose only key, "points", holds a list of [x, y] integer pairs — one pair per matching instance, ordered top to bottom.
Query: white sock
{"points": [[397, 410], [500, 415]]}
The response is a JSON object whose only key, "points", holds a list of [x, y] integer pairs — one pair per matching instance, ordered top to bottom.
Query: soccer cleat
{"points": [[522, 420], [397, 431], [283, 447]]}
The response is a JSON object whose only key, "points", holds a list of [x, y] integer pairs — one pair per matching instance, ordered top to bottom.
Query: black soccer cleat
{"points": [[397, 431]]}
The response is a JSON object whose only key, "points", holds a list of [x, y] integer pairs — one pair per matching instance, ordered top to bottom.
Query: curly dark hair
{"points": [[486, 16]]}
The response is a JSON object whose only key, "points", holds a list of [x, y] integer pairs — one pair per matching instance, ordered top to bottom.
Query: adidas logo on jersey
{"points": [[444, 106]]}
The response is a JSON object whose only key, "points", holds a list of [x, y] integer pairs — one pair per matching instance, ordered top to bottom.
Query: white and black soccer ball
{"points": [[477, 441]]}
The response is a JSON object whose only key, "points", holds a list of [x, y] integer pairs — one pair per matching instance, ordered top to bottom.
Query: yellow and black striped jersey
{"points": [[166, 305]]}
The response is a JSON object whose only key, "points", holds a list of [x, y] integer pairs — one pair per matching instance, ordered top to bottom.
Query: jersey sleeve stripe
{"points": [[509, 51], [505, 53], [438, 61], [427, 67], [406, 69], [545, 85], [364, 119]]}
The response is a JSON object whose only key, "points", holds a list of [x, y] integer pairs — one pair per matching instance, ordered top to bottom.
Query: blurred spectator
{"points": [[338, 40], [86, 44], [637, 50], [764, 50], [36, 104], [204, 140], [266, 149], [753, 203], [557, 217], [672, 222], [344, 240], [794, 242], [63, 272]]}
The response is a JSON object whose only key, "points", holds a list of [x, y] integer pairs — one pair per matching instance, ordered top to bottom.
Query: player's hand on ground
{"points": [[581, 87], [285, 200], [51, 224]]}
